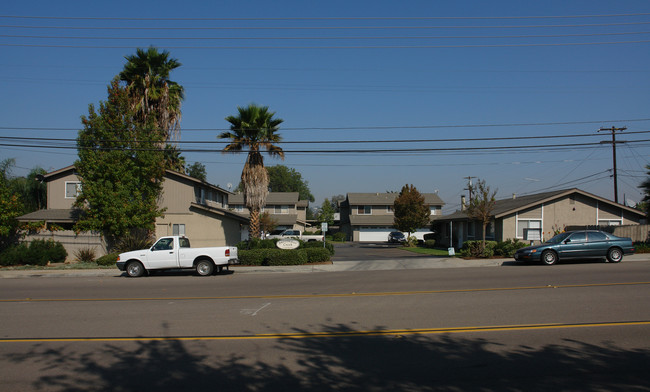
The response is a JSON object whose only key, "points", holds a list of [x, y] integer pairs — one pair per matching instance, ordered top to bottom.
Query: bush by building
{"points": [[37, 252]]}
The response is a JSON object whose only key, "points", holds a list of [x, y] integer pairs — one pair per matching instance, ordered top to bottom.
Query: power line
{"points": [[326, 17], [329, 38], [356, 47], [373, 127], [18, 138], [552, 147]]}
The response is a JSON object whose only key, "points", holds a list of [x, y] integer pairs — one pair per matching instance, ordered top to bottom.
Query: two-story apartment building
{"points": [[193, 208], [285, 208], [368, 217]]}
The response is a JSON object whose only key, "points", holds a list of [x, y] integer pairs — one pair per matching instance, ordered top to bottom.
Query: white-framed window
{"points": [[72, 189], [238, 208], [364, 210], [389, 210], [435, 210], [609, 222], [526, 225], [178, 229]]}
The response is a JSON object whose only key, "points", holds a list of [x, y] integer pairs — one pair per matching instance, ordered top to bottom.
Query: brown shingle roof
{"points": [[361, 199]]}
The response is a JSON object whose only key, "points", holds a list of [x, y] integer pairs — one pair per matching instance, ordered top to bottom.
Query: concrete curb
{"points": [[337, 266]]}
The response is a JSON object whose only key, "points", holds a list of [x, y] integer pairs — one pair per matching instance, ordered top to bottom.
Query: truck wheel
{"points": [[614, 255], [204, 267], [134, 269]]}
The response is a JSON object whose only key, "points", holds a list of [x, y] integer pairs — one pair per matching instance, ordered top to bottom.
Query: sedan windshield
{"points": [[558, 238]]}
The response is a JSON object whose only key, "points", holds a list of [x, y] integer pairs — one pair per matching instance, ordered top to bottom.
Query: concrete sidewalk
{"points": [[337, 266]]}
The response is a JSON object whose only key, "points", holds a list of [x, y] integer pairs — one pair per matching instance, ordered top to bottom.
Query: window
{"points": [[72, 189], [238, 208], [281, 209], [389, 209], [364, 210], [434, 210], [609, 222], [525, 225], [178, 229], [579, 236], [595, 236], [184, 242], [164, 244]]}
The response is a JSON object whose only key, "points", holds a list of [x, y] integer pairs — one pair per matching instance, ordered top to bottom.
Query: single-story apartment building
{"points": [[536, 217]]}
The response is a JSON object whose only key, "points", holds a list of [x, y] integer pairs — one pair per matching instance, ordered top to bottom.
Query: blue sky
{"points": [[359, 71]]}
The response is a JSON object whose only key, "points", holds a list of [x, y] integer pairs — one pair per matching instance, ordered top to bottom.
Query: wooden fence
{"points": [[638, 233]]}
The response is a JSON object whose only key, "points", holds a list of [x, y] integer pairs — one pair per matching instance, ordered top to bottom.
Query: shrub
{"points": [[340, 236], [135, 240], [411, 241], [256, 243], [318, 244], [430, 244], [641, 247], [508, 248], [475, 249], [38, 252], [41, 252], [14, 255], [85, 255], [317, 255], [252, 256], [285, 257], [109, 259]]}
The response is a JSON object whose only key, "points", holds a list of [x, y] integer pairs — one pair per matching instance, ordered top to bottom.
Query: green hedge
{"points": [[38, 252], [318, 255], [274, 257], [109, 259]]}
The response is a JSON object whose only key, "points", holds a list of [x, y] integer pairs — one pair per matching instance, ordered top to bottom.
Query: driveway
{"points": [[357, 251]]}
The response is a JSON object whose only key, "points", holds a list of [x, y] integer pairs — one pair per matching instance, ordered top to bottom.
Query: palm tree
{"points": [[152, 92], [254, 128]]}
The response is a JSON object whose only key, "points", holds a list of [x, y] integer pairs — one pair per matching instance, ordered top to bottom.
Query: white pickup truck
{"points": [[296, 234], [174, 252]]}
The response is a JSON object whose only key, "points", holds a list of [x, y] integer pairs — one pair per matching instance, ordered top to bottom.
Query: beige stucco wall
{"points": [[56, 192], [575, 210]]}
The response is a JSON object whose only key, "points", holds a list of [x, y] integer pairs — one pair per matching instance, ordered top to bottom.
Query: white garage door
{"points": [[374, 234]]}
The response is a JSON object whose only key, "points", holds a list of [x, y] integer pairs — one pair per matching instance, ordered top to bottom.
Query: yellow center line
{"points": [[334, 295], [333, 334]]}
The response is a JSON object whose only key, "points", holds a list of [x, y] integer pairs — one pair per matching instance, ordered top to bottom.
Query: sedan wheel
{"points": [[614, 255], [549, 257], [204, 267]]}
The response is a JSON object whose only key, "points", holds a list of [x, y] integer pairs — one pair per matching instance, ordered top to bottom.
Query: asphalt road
{"points": [[583, 326]]}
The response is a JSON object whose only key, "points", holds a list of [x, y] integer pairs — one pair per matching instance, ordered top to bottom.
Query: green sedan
{"points": [[581, 244]]}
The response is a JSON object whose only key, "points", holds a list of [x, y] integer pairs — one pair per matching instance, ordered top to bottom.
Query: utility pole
{"points": [[613, 142], [469, 187]]}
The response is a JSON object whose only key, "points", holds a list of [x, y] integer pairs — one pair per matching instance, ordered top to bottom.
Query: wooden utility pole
{"points": [[613, 142], [469, 187]]}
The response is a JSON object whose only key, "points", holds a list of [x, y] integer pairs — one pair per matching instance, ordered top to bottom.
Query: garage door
{"points": [[374, 234]]}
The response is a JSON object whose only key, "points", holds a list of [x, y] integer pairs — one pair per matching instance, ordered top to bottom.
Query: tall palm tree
{"points": [[151, 92], [254, 128]]}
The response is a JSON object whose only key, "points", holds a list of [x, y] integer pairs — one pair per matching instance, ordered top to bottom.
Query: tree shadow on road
{"points": [[344, 362]]}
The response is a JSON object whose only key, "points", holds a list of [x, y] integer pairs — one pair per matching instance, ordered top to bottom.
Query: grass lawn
{"points": [[427, 251]]}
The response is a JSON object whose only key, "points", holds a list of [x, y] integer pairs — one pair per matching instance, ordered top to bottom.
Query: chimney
{"points": [[462, 203]]}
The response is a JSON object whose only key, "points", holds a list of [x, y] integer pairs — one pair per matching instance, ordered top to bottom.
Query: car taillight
{"points": [[227, 252]]}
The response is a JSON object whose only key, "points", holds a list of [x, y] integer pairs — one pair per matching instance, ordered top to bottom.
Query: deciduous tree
{"points": [[120, 168], [285, 179], [481, 206], [410, 210]]}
